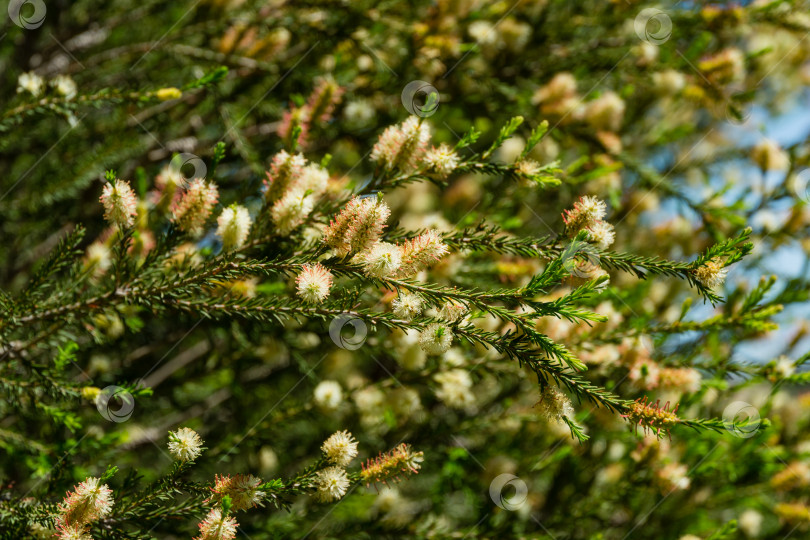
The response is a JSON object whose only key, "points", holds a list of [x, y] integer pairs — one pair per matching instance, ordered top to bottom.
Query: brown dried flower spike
{"points": [[652, 417]]}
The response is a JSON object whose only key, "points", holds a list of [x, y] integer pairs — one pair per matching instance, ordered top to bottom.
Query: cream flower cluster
{"points": [[33, 84], [443, 160], [294, 188], [120, 203], [588, 213], [233, 227], [712, 274], [407, 305], [455, 389], [554, 405], [340, 448], [331, 484], [243, 490]]}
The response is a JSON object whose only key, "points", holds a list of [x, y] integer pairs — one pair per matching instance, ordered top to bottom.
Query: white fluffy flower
{"points": [[30, 82], [64, 85], [605, 112], [769, 157], [442, 159], [313, 179], [292, 209], [233, 227], [602, 234], [98, 259], [381, 260], [712, 274], [314, 283], [407, 305], [436, 338], [784, 366], [454, 389], [328, 395], [369, 400], [554, 404], [185, 444], [340, 448], [332, 484], [750, 523]]}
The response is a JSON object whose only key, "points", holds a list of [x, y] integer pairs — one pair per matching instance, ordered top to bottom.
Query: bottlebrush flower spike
{"points": [[323, 99], [318, 109], [299, 117], [402, 146], [284, 169], [120, 203], [196, 205], [358, 226], [233, 227], [421, 252], [314, 283], [651, 417], [185, 444], [340, 448], [389, 465], [331, 483], [243, 489], [87, 503], [217, 527]]}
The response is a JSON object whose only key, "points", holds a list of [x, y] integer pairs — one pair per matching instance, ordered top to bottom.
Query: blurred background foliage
{"points": [[664, 118]]}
